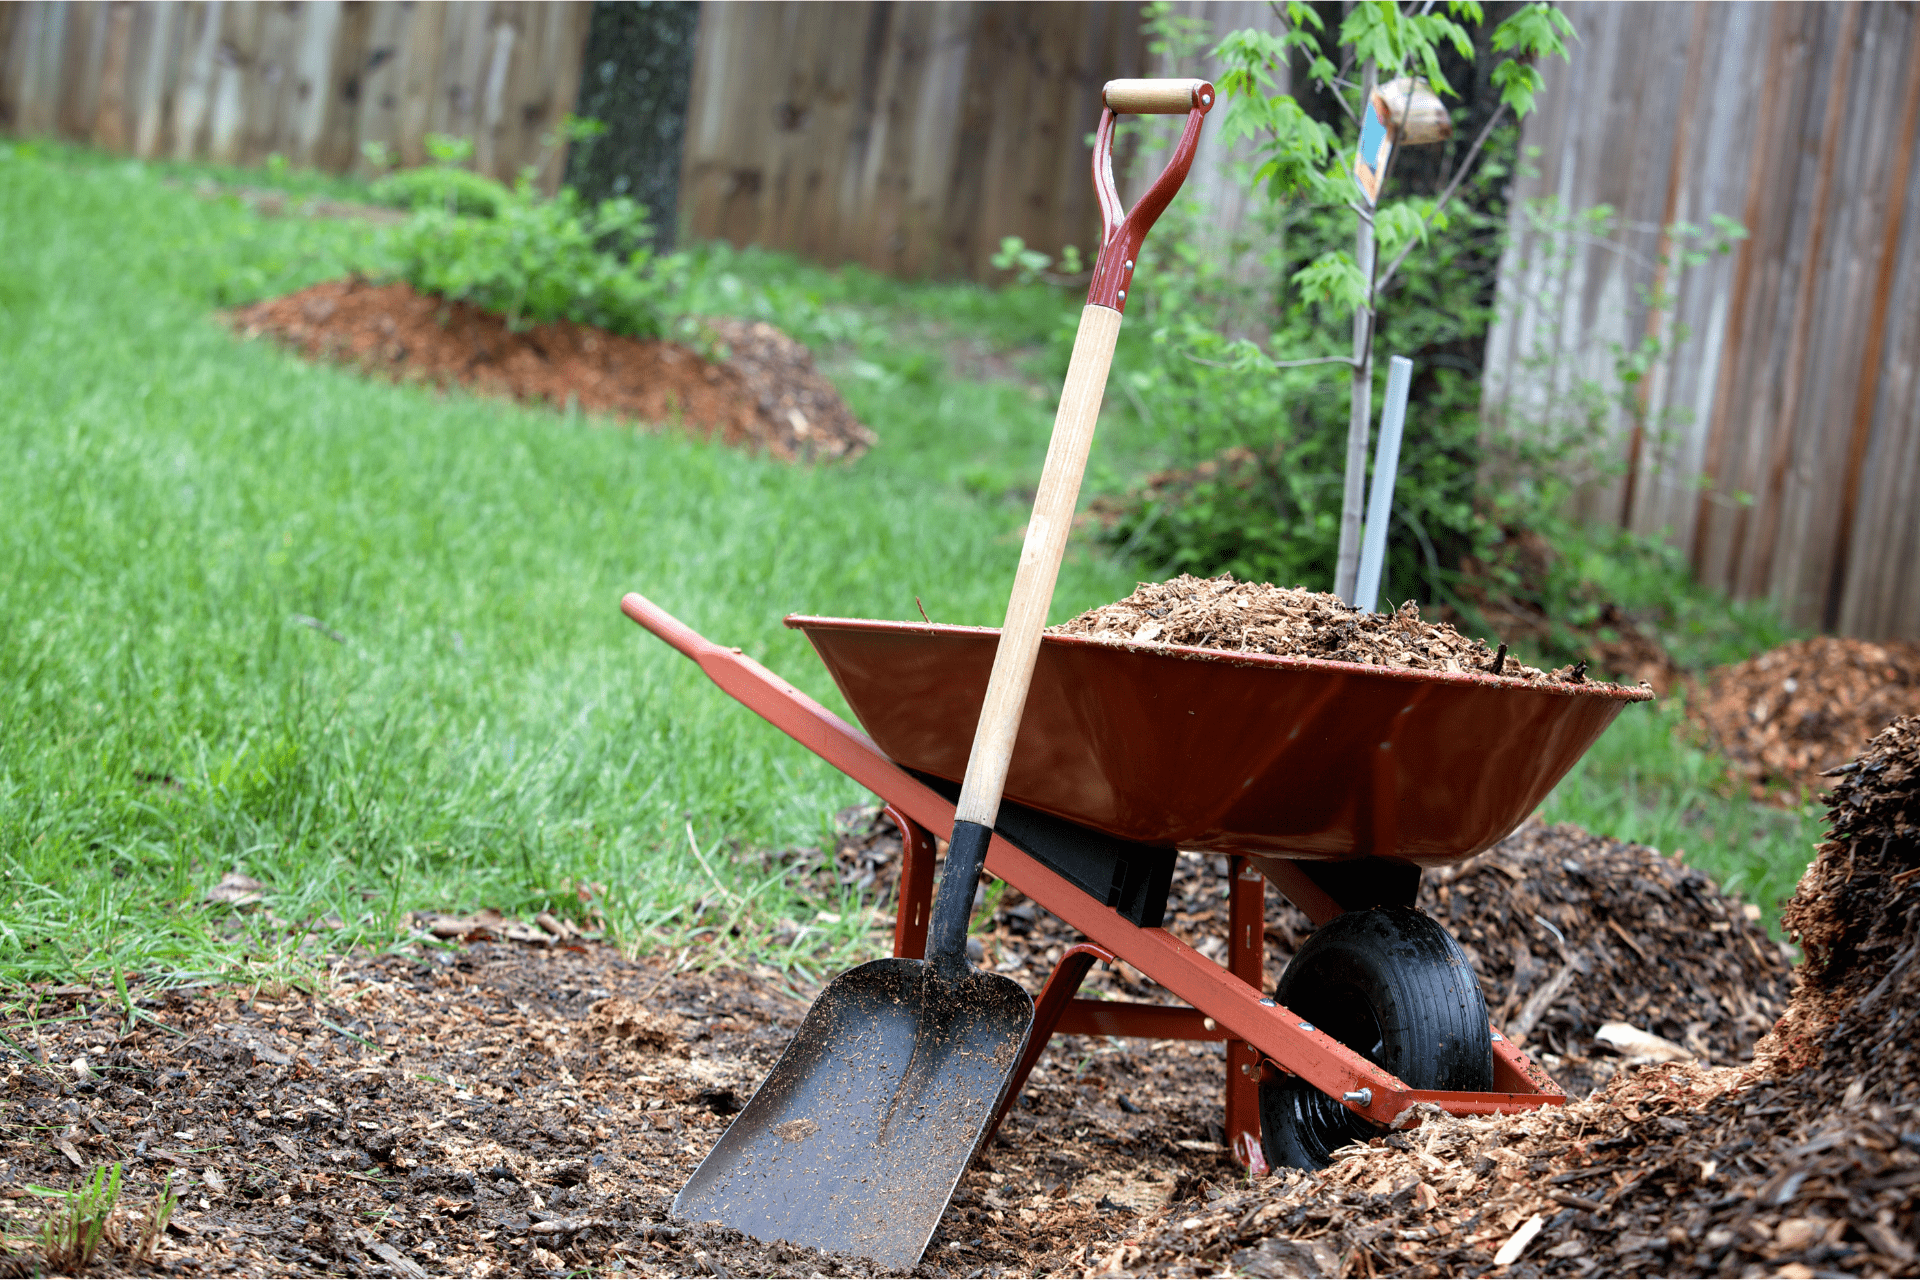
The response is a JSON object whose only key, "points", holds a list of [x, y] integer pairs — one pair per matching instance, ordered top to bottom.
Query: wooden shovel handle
{"points": [[1121, 237], [1039, 565]]}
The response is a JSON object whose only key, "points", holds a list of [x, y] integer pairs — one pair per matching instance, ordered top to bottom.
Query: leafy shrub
{"points": [[441, 184], [442, 187], [539, 260], [1257, 441]]}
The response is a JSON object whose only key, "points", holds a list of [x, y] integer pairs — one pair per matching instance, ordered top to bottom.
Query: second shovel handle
{"points": [[1157, 97], [1040, 556]]}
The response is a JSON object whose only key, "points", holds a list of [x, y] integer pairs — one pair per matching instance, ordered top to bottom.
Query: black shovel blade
{"points": [[858, 1136]]}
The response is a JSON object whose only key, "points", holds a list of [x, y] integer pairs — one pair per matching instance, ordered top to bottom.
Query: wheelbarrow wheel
{"points": [[1394, 986]]}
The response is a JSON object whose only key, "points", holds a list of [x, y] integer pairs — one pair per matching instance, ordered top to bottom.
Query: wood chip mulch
{"points": [[764, 393], [1255, 617], [1785, 717], [512, 1109], [516, 1109]]}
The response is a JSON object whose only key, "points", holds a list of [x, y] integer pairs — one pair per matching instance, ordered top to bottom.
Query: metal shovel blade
{"points": [[858, 1136]]}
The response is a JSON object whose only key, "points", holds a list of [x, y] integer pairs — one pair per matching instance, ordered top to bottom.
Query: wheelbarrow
{"points": [[1074, 769], [1334, 782]]}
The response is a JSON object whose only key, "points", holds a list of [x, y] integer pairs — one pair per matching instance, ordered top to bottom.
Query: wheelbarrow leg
{"points": [[916, 887], [1246, 960], [1062, 983]]}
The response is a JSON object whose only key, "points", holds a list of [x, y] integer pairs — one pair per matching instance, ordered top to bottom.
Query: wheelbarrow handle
{"points": [[1053, 504]]}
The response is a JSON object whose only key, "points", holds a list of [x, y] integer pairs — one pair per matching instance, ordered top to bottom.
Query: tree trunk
{"points": [[635, 78], [1360, 414]]}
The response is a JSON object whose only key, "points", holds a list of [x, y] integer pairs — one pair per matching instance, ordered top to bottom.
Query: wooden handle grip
{"points": [[1157, 97], [1039, 565]]}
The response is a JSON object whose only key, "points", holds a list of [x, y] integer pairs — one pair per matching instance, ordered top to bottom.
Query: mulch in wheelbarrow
{"points": [[763, 392], [1256, 617], [1786, 716]]}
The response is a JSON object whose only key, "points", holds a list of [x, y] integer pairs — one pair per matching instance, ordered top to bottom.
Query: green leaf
{"points": [[1534, 31], [1531, 32], [1518, 84], [1405, 222], [1333, 278]]}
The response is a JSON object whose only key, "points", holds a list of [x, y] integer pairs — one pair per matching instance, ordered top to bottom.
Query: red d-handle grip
{"points": [[1122, 234]]}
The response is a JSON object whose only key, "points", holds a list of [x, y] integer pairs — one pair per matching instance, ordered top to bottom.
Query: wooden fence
{"points": [[312, 81], [908, 137], [1778, 441]]}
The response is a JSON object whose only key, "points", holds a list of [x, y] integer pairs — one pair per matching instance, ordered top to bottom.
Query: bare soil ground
{"points": [[763, 392], [515, 1108]]}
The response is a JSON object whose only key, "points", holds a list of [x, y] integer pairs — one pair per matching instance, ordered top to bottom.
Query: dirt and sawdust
{"points": [[763, 393], [1256, 617], [1787, 716], [532, 1108]]}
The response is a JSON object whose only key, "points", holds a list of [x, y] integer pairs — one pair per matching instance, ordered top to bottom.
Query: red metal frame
{"points": [[1225, 1004]]}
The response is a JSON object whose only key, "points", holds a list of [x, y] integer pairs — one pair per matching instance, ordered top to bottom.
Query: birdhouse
{"points": [[1405, 112], [1412, 112]]}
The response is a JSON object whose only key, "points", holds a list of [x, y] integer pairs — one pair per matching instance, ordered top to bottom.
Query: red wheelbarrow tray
{"points": [[1227, 752], [1273, 760]]}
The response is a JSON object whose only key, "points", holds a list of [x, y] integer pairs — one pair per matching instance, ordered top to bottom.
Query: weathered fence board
{"points": [[312, 80], [909, 137], [1779, 438]]}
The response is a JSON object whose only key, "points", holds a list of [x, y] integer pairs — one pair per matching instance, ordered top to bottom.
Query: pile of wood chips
{"points": [[762, 394], [801, 411], [1255, 617], [1790, 714], [1567, 931], [1570, 931], [1803, 1164]]}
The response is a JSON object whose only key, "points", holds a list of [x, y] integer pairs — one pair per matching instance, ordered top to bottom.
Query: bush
{"points": [[442, 187], [537, 260]]}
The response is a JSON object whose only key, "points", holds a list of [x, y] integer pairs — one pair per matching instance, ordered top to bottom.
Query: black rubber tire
{"points": [[1394, 986]]}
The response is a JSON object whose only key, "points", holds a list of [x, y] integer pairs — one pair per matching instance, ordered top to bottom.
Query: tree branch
{"points": [[1466, 167], [1278, 364], [1301, 364]]}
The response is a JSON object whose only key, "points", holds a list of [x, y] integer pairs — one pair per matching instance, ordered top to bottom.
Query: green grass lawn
{"points": [[362, 642]]}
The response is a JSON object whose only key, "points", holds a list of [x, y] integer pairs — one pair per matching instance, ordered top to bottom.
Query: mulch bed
{"points": [[763, 394], [1255, 617], [1787, 716], [529, 1109]]}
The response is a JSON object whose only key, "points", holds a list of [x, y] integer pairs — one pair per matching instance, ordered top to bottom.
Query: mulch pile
{"points": [[765, 394], [1254, 617], [1789, 715], [1568, 932], [526, 1109]]}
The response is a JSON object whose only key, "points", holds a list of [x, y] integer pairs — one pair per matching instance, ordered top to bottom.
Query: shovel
{"points": [[856, 1139]]}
